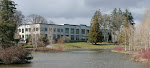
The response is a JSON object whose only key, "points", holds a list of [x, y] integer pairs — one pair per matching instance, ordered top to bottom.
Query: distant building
{"points": [[73, 32]]}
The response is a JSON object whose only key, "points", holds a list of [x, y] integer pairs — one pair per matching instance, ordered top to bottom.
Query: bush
{"points": [[28, 46], [118, 48], [14, 54], [145, 54]]}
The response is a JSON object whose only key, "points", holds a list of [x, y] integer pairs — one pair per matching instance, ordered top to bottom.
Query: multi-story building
{"points": [[65, 31], [73, 32]]}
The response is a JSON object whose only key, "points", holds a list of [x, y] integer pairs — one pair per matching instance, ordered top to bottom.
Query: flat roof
{"points": [[58, 24]]}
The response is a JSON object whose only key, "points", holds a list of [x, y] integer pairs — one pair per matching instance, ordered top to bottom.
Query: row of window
{"points": [[83, 31], [58, 36]]}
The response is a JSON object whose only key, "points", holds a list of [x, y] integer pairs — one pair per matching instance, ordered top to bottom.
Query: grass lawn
{"points": [[75, 45]]}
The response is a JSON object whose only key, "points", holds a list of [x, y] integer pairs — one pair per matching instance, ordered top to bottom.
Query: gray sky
{"points": [[80, 11]]}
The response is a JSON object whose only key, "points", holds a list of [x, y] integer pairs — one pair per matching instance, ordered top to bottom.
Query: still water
{"points": [[80, 58]]}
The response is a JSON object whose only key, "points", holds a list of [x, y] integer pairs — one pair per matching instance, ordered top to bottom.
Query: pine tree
{"points": [[7, 24], [95, 34]]}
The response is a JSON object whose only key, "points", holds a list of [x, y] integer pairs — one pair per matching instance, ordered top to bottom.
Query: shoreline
{"points": [[134, 56]]}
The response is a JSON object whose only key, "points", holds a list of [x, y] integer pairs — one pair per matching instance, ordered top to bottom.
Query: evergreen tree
{"points": [[99, 16], [129, 16], [7, 24], [95, 34]]}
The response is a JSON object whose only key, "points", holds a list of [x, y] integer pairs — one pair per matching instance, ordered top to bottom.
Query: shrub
{"points": [[28, 46], [118, 48], [14, 54], [145, 54]]}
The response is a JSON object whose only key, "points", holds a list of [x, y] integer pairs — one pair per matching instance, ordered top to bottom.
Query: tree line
{"points": [[117, 23]]}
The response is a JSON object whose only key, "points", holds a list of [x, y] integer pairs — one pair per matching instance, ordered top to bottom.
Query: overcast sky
{"points": [[80, 11]]}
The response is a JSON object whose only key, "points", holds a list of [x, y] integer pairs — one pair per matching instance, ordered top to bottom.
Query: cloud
{"points": [[79, 11], [73, 21]]}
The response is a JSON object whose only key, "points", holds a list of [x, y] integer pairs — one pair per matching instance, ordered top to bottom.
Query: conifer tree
{"points": [[7, 24], [95, 34]]}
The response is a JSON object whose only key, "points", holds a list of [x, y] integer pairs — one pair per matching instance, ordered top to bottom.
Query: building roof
{"points": [[58, 24]]}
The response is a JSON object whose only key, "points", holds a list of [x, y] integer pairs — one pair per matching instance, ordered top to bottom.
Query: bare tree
{"points": [[19, 17], [34, 18], [105, 24], [51, 34], [141, 37]]}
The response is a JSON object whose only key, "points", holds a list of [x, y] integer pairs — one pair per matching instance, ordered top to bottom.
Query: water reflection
{"points": [[80, 58]]}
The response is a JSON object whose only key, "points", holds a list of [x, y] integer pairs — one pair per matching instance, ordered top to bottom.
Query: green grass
{"points": [[73, 45]]}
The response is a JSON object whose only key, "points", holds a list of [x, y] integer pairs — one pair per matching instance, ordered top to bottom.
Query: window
{"points": [[26, 29], [29, 29], [33, 29], [37, 29], [41, 29], [45, 29], [50, 29], [19, 30], [22, 30], [54, 30], [58, 30], [61, 30], [67, 30], [72, 31], [77, 31], [83, 31], [87, 31], [22, 36], [58, 36], [26, 37], [72, 37], [77, 37], [83, 38]]}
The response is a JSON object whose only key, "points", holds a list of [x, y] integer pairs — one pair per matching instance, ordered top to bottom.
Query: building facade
{"points": [[65, 31]]}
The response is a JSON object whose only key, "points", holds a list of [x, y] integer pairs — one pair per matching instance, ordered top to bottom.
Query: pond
{"points": [[80, 58]]}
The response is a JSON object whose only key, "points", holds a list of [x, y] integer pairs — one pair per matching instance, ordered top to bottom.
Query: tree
{"points": [[99, 16], [129, 16], [19, 18], [34, 18], [7, 23], [116, 23], [105, 24], [95, 34]]}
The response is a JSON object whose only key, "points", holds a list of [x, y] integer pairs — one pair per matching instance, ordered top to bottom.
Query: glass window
{"points": [[26, 29], [29, 29], [34, 29], [37, 29], [41, 29], [45, 29], [19, 30], [22, 30], [54, 30], [58, 30], [61, 30], [67, 30], [72, 31], [77, 31], [83, 31], [87, 31], [22, 36], [58, 36], [26, 37], [72, 37], [77, 37]]}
